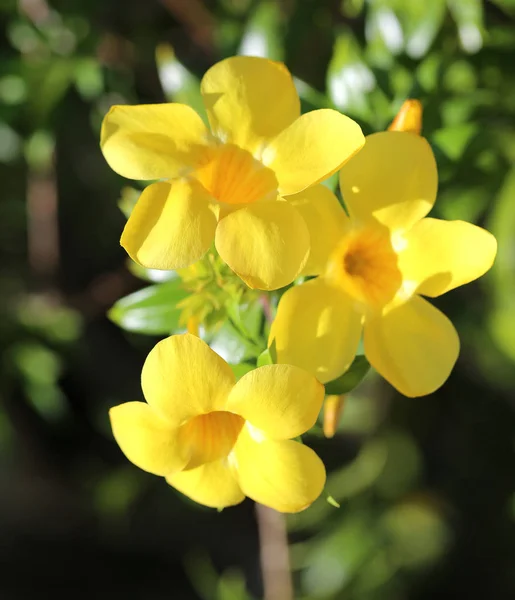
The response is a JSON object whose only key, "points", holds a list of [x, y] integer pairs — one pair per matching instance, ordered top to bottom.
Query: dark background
{"points": [[426, 486]]}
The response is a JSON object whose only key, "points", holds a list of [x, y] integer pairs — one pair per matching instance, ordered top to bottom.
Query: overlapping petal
{"points": [[249, 99], [153, 141], [313, 147], [392, 180], [326, 221], [171, 226], [266, 244], [442, 255], [317, 329], [413, 346], [183, 378], [282, 400], [147, 439], [284, 475], [212, 484]]}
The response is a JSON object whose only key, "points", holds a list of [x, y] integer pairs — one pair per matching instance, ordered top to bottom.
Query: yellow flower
{"points": [[227, 184], [375, 265], [216, 440]]}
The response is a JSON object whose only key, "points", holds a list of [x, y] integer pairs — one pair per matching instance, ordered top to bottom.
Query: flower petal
{"points": [[249, 99], [153, 141], [312, 148], [393, 180], [326, 222], [171, 226], [266, 244], [442, 255], [317, 329], [413, 346], [183, 378], [282, 400], [146, 439], [284, 475], [213, 484]]}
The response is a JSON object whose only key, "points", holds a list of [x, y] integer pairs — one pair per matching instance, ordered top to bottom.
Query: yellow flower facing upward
{"points": [[227, 184], [375, 265], [216, 440]]}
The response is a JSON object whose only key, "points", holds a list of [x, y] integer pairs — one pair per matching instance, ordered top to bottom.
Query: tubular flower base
{"points": [[227, 184], [373, 268], [216, 440]]}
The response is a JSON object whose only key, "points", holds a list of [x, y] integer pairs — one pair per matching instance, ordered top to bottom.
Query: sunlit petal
{"points": [[249, 99], [153, 141], [313, 147], [393, 180], [326, 221], [171, 226], [266, 244], [442, 255], [316, 328], [413, 346], [183, 378], [282, 400], [146, 439], [284, 475], [212, 484]]}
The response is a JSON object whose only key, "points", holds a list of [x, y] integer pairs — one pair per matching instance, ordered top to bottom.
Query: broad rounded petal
{"points": [[249, 99], [153, 141], [312, 148], [393, 180], [326, 221], [171, 226], [266, 244], [442, 255], [317, 329], [413, 346], [183, 378], [282, 400], [146, 439], [284, 475], [213, 484]]}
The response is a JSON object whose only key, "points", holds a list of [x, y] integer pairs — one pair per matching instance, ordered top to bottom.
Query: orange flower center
{"points": [[233, 176], [365, 265], [210, 437]]}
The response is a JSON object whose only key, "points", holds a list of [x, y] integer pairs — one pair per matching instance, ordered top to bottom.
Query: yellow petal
{"points": [[249, 99], [409, 118], [153, 141], [312, 148], [392, 181], [326, 222], [171, 226], [266, 244], [442, 255], [317, 329], [413, 346], [183, 378], [282, 400], [146, 439], [284, 475], [212, 484]]}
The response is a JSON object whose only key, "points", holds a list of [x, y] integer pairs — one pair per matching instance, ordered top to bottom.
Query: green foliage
{"points": [[152, 310], [350, 379]]}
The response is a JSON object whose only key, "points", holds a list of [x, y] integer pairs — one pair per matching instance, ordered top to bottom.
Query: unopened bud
{"points": [[409, 118], [333, 407]]}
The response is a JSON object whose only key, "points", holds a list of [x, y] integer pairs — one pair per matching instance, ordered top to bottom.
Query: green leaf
{"points": [[152, 310], [268, 356], [241, 369], [350, 379], [332, 502]]}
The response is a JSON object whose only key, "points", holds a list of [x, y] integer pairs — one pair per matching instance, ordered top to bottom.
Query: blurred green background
{"points": [[426, 486]]}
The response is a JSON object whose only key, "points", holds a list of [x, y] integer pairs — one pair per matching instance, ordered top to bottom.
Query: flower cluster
{"points": [[251, 183]]}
